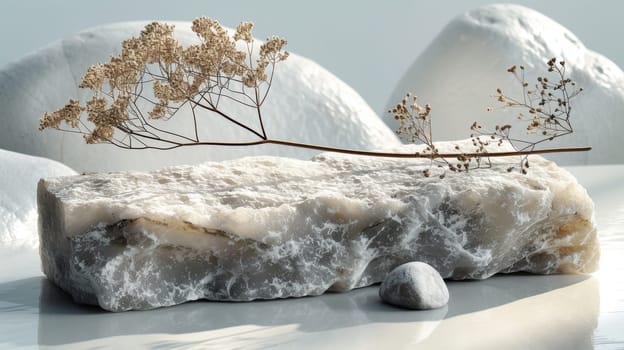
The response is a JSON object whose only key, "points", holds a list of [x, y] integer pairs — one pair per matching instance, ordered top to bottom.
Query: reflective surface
{"points": [[503, 312]]}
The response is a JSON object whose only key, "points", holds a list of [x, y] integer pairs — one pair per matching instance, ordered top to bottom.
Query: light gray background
{"points": [[368, 44]]}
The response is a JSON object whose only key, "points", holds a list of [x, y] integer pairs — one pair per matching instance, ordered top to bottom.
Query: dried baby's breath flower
{"points": [[209, 30], [243, 32], [156, 44], [272, 49], [154, 69], [94, 77], [176, 88], [547, 104], [159, 111], [70, 114], [113, 115], [414, 122], [99, 134]]}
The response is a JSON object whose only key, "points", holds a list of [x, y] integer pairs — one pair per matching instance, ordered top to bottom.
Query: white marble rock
{"points": [[269, 227], [414, 285]]}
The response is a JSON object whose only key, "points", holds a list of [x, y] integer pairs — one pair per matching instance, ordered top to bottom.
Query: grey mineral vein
{"points": [[268, 227]]}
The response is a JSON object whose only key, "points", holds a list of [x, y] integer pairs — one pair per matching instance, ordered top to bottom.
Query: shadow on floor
{"points": [[20, 295], [61, 321]]}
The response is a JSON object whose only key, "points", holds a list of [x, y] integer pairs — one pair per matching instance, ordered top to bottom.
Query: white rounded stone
{"points": [[19, 174], [414, 285]]}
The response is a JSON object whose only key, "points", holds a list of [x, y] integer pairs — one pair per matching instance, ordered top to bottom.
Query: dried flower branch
{"points": [[154, 69], [154, 77], [545, 106], [548, 108]]}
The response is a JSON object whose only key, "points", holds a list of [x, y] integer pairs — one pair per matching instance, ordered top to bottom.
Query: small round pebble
{"points": [[414, 285]]}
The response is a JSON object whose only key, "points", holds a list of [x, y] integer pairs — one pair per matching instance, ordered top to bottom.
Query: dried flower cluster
{"points": [[155, 69], [545, 106], [69, 114], [414, 120], [415, 125]]}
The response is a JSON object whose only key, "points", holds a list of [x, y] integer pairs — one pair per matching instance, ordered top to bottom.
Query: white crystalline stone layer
{"points": [[268, 227]]}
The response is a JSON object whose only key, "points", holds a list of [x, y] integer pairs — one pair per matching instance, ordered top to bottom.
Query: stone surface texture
{"points": [[458, 74], [306, 103], [269, 227], [414, 285]]}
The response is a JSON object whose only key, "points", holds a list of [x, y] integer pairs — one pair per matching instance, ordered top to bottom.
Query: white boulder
{"points": [[460, 70], [306, 104], [19, 174], [269, 227], [414, 285]]}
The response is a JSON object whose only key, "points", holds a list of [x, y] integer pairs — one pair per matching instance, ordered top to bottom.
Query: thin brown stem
{"points": [[215, 110], [264, 135], [381, 154]]}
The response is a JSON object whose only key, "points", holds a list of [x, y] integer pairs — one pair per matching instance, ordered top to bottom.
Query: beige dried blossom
{"points": [[210, 31], [243, 32], [156, 43], [272, 48], [217, 54], [154, 68], [94, 77], [253, 77], [175, 88], [547, 104], [159, 111], [70, 114], [101, 114], [105, 118], [414, 122], [100, 134]]}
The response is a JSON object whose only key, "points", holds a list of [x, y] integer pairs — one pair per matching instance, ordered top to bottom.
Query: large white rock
{"points": [[460, 70], [306, 103], [19, 174], [268, 227]]}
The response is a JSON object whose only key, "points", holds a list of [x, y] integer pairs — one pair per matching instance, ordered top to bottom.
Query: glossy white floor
{"points": [[503, 312]]}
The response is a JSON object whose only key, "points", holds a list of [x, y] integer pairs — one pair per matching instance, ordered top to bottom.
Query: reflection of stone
{"points": [[263, 228], [414, 285], [547, 310], [329, 313]]}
